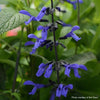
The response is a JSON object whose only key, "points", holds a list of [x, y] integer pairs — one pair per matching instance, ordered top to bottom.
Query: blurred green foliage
{"points": [[88, 51]]}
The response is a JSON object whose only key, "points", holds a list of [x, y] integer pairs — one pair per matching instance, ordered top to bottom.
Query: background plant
{"points": [[87, 52]]}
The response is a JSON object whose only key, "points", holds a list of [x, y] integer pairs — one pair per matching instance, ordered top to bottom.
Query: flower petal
{"points": [[80, 1], [74, 5], [25, 12], [41, 14], [27, 22], [39, 28], [75, 28], [44, 33], [32, 36], [66, 36], [75, 37], [29, 43], [33, 51], [41, 65], [74, 66], [83, 67], [41, 69], [48, 71], [67, 71], [76, 73], [29, 83], [40, 86], [70, 86], [59, 90], [33, 91], [64, 91]]}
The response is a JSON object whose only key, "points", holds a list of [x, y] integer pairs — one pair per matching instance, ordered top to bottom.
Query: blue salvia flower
{"points": [[74, 2], [41, 14], [38, 18], [44, 31], [71, 34], [39, 41], [36, 44], [75, 67], [42, 69], [36, 86], [63, 90]]}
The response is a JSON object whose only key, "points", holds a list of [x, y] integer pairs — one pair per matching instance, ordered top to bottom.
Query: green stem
{"points": [[78, 22], [17, 62]]}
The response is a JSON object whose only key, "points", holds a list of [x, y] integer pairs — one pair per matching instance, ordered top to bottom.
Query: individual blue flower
{"points": [[74, 2], [41, 14], [38, 18], [44, 31], [71, 34], [40, 42], [36, 44], [75, 67], [42, 68], [36, 86], [59, 90], [63, 90]]}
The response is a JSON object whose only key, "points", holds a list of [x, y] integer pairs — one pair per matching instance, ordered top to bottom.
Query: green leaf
{"points": [[97, 14], [10, 19], [97, 36], [4, 54], [81, 58], [9, 62], [16, 95]]}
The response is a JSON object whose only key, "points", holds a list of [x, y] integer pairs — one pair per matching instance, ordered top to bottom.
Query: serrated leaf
{"points": [[10, 19], [81, 58]]}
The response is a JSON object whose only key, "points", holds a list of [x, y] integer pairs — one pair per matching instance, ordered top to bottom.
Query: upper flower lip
{"points": [[42, 68]]}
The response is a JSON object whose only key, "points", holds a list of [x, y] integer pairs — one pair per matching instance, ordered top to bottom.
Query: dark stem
{"points": [[28, 2], [78, 22], [54, 37], [56, 56], [17, 62]]}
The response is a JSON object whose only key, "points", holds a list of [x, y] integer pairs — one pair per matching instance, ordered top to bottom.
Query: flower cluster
{"points": [[48, 68]]}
